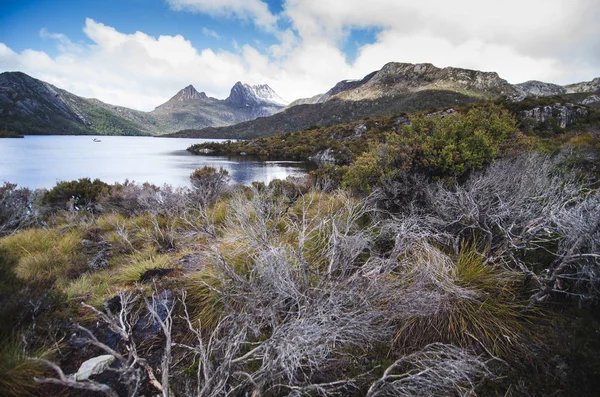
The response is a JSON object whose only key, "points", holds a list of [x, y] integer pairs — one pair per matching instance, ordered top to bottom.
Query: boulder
{"points": [[360, 129], [323, 157], [93, 366]]}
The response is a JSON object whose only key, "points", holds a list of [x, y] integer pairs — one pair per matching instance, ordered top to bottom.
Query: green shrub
{"points": [[456, 144], [82, 193]]}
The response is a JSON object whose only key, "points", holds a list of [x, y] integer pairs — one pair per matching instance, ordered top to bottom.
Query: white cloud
{"points": [[254, 10], [211, 33], [521, 40], [551, 40], [134, 70]]}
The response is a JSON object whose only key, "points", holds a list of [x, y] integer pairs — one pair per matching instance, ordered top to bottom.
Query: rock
{"points": [[585, 86], [590, 100], [442, 113], [562, 114], [402, 120], [360, 129], [205, 151], [323, 157], [87, 243], [100, 259], [93, 366]]}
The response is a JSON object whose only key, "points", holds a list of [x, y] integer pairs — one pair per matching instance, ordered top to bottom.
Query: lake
{"points": [[41, 161]]}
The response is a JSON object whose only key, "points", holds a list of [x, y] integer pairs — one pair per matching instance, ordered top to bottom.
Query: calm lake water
{"points": [[41, 161]]}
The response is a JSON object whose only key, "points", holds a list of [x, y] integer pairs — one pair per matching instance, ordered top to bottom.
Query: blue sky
{"points": [[21, 22], [138, 53]]}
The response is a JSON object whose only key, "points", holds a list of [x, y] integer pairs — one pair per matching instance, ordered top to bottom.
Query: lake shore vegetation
{"points": [[453, 254]]}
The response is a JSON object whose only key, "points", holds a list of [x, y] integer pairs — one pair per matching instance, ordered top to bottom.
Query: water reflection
{"points": [[41, 161]]}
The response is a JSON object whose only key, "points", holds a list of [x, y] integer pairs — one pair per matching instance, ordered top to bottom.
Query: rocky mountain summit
{"points": [[399, 78], [189, 93], [243, 95], [192, 109]]}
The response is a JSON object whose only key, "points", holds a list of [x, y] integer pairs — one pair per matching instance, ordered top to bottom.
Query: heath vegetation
{"points": [[452, 255]]}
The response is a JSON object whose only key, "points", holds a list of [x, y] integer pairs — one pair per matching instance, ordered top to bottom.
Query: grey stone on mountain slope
{"points": [[346, 85], [585, 86], [534, 88], [590, 100], [304, 101], [559, 114]]}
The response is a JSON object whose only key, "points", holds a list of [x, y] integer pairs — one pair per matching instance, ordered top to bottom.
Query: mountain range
{"points": [[395, 88], [31, 106]]}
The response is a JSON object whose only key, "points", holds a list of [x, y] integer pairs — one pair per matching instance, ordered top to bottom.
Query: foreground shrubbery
{"points": [[457, 274]]}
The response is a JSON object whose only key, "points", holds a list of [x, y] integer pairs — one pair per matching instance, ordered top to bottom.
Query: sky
{"points": [[139, 53]]}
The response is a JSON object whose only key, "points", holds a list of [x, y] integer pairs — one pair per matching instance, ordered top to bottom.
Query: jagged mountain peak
{"points": [[189, 93], [242, 95]]}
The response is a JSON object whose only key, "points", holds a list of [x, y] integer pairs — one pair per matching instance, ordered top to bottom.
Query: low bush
{"points": [[79, 194]]}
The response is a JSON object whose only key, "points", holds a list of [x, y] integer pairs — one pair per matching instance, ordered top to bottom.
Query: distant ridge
{"points": [[395, 88], [32, 106]]}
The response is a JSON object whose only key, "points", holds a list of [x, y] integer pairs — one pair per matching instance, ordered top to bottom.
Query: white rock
{"points": [[589, 100], [94, 366]]}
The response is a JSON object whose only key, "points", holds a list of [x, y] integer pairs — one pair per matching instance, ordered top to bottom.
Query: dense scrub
{"points": [[463, 262]]}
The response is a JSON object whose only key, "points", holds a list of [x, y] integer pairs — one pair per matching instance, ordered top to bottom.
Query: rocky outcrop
{"points": [[586, 86], [536, 89], [590, 100], [554, 115], [359, 130], [323, 157]]}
